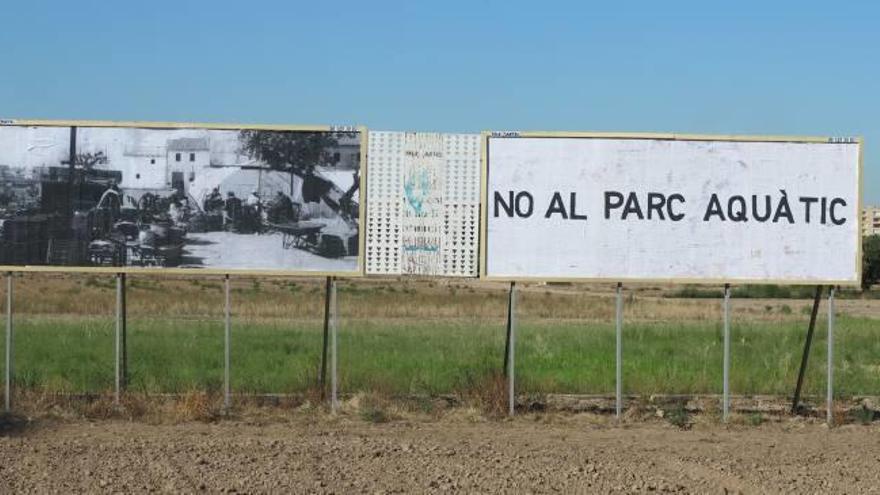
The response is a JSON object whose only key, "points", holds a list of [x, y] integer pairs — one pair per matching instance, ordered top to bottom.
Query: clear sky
{"points": [[709, 67]]}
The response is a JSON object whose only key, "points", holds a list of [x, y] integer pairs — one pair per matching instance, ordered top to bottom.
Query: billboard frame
{"points": [[159, 125], [665, 136]]}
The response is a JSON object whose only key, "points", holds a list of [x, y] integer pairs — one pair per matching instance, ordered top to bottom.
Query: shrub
{"points": [[870, 261], [864, 415], [678, 416], [755, 419]]}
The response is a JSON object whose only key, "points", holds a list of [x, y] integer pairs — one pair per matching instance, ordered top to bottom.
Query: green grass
{"points": [[441, 356], [663, 358]]}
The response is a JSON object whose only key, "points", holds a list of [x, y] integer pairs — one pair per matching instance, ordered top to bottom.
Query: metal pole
{"points": [[817, 297], [123, 308], [507, 333], [333, 350], [118, 364], [322, 373], [8, 377], [511, 397], [227, 398], [726, 398], [830, 398], [618, 404]]}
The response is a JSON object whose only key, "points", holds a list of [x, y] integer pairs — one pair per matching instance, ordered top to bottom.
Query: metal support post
{"points": [[124, 310], [507, 334], [511, 348], [118, 365], [322, 371], [8, 377], [227, 388], [618, 394], [726, 398], [830, 398], [795, 403], [334, 404]]}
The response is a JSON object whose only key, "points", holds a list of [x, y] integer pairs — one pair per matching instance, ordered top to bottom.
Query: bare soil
{"points": [[460, 452]]}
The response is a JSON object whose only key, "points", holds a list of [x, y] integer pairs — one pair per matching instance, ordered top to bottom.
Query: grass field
{"points": [[424, 338], [440, 357]]}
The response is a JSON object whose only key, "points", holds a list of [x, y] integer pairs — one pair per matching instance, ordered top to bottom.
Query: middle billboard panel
{"points": [[423, 201]]}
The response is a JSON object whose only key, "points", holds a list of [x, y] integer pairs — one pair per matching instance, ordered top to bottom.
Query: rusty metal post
{"points": [[322, 373], [795, 403]]}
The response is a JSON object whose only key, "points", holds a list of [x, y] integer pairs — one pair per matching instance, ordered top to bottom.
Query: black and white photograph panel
{"points": [[200, 198]]}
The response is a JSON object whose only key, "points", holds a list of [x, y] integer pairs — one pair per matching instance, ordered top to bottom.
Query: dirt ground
{"points": [[544, 453]]}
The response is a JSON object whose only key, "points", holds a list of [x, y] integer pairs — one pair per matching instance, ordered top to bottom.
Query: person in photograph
{"points": [[253, 199], [214, 201], [280, 209], [175, 211], [231, 211], [252, 221]]}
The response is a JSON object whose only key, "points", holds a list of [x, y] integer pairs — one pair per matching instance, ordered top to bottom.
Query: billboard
{"points": [[123, 197], [423, 204], [672, 208]]}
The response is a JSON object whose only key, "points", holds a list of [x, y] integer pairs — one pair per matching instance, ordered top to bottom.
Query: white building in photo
{"points": [[185, 157], [172, 166], [142, 168]]}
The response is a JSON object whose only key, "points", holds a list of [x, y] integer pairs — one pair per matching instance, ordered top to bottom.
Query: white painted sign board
{"points": [[423, 204], [667, 208]]}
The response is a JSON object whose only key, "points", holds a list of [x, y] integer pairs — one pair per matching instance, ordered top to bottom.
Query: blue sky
{"points": [[709, 67]]}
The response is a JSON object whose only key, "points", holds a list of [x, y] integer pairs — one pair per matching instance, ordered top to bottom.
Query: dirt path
{"points": [[345, 455]]}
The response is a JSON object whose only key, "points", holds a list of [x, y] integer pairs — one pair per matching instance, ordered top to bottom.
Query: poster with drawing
{"points": [[135, 197], [423, 204], [421, 217]]}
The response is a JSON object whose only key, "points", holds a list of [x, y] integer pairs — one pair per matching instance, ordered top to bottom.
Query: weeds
{"points": [[488, 393], [198, 406], [373, 409], [864, 415], [678, 416], [755, 419]]}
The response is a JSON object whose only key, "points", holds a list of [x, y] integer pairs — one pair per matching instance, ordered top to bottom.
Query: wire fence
{"points": [[425, 337]]}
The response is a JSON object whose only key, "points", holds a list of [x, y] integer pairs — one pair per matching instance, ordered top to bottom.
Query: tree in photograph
{"points": [[297, 153], [87, 161], [870, 261]]}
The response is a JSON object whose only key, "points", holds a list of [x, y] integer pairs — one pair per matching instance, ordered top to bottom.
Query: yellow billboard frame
{"points": [[484, 192], [357, 272]]}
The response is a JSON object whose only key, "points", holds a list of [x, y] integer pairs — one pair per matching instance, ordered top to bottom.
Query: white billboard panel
{"points": [[423, 204], [697, 209]]}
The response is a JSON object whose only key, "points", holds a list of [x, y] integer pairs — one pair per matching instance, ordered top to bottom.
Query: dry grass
{"points": [[302, 298], [488, 394], [196, 405]]}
